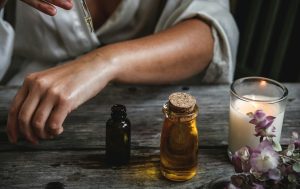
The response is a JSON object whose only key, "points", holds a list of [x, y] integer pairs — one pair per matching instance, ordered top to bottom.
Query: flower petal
{"points": [[259, 114], [270, 118], [253, 121], [262, 124], [268, 124], [295, 135], [297, 144], [237, 163], [274, 174], [257, 186]]}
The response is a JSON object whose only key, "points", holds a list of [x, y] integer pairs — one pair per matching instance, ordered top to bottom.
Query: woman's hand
{"points": [[49, 6], [46, 98]]}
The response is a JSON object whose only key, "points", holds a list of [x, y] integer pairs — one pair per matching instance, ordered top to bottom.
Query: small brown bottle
{"points": [[118, 136], [179, 138]]}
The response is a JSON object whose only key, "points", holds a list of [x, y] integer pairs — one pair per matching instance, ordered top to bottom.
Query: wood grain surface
{"points": [[76, 158]]}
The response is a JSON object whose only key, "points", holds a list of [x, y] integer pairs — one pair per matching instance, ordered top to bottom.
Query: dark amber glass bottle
{"points": [[118, 136]]}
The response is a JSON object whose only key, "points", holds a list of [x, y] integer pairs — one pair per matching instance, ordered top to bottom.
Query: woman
{"points": [[135, 41]]}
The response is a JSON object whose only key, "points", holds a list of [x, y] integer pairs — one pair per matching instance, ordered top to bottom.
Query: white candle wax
{"points": [[241, 132]]}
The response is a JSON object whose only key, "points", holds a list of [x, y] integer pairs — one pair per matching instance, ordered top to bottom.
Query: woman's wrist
{"points": [[102, 65]]}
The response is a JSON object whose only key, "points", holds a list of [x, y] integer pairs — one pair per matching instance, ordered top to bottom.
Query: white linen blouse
{"points": [[39, 41]]}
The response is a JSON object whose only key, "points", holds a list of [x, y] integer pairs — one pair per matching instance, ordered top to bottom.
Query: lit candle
{"points": [[249, 95], [241, 132]]}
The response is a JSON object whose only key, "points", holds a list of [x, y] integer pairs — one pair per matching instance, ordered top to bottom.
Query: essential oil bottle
{"points": [[118, 136], [179, 138]]}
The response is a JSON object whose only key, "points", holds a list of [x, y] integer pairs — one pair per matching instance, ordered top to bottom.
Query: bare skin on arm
{"points": [[46, 98]]}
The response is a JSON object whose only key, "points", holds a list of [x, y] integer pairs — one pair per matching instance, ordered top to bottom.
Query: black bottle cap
{"points": [[118, 111]]}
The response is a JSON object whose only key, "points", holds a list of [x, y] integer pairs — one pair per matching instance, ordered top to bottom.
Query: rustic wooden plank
{"points": [[85, 127], [87, 169]]}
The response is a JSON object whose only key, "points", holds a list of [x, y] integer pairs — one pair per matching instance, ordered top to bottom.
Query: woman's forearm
{"points": [[174, 54], [45, 99]]}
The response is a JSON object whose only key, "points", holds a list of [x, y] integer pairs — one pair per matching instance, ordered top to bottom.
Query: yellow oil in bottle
{"points": [[179, 144]]}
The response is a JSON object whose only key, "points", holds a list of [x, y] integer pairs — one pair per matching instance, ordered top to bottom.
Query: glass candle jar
{"points": [[248, 95], [179, 138]]}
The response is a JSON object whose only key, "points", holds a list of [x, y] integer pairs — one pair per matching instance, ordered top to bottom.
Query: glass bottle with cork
{"points": [[118, 136], [179, 138]]}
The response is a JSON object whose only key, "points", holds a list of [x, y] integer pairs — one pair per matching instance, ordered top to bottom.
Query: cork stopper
{"points": [[181, 102]]}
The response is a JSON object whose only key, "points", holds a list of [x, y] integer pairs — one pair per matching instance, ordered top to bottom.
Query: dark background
{"points": [[269, 38]]}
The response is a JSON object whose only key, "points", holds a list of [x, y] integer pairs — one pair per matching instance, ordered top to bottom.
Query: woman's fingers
{"points": [[65, 4], [42, 6], [48, 7], [37, 86], [50, 95], [38, 110], [26, 113], [51, 113], [41, 115], [57, 117], [12, 120]]}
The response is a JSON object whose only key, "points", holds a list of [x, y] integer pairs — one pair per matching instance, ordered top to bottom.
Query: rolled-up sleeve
{"points": [[224, 31], [6, 44]]}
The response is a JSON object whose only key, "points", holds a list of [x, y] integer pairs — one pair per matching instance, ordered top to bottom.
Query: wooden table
{"points": [[76, 158]]}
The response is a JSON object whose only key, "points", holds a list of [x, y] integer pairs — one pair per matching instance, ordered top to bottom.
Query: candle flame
{"points": [[263, 83]]}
